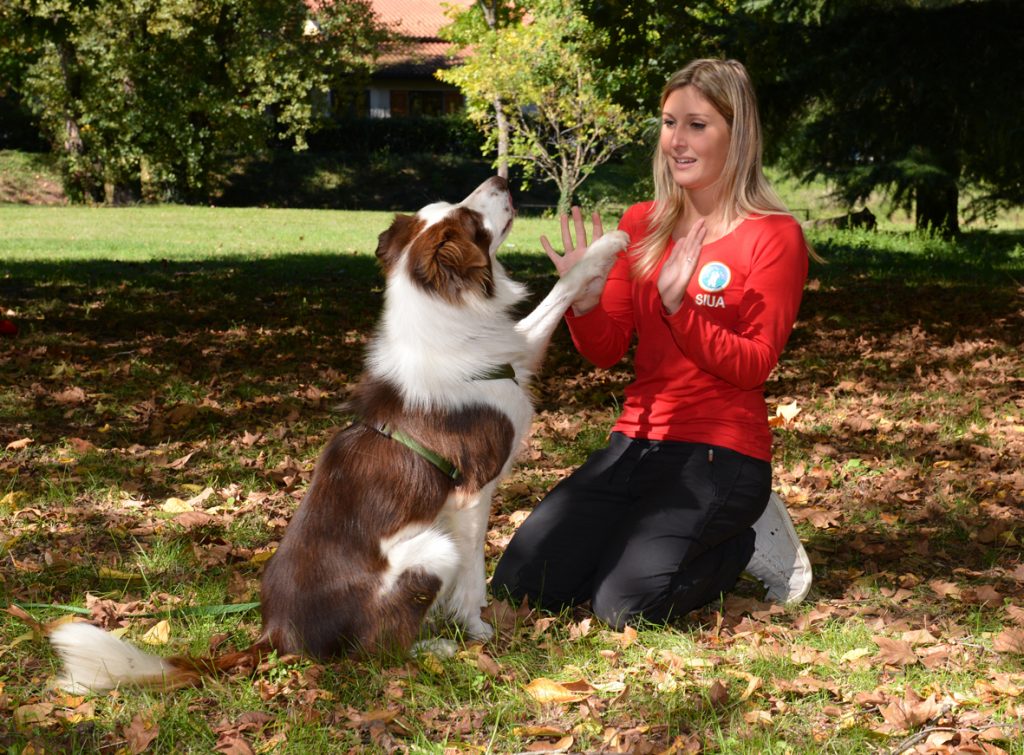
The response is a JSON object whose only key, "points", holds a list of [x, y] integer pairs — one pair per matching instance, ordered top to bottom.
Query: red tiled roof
{"points": [[416, 18], [422, 51], [414, 58]]}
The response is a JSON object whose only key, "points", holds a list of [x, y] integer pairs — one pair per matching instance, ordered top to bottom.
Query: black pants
{"points": [[644, 529]]}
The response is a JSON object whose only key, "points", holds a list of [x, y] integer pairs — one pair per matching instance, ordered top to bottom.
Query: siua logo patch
{"points": [[713, 277]]}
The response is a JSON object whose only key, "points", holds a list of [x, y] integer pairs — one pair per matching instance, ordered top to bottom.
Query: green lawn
{"points": [[181, 233], [177, 371]]}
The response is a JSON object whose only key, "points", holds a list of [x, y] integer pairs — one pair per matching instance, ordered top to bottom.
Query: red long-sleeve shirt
{"points": [[700, 372]]}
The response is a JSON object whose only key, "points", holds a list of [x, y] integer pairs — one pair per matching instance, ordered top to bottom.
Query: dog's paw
{"points": [[608, 245], [601, 254], [599, 258], [479, 630], [438, 646]]}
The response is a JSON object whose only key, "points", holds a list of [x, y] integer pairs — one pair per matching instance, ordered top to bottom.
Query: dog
{"points": [[391, 529]]}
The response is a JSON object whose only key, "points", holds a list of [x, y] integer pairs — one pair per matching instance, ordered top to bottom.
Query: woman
{"points": [[663, 520]]}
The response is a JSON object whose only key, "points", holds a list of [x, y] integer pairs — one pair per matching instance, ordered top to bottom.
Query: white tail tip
{"points": [[95, 661]]}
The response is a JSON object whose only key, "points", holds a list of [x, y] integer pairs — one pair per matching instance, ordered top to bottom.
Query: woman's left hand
{"points": [[679, 267], [590, 296]]}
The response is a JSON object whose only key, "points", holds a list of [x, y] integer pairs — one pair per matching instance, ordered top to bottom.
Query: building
{"points": [[403, 83]]}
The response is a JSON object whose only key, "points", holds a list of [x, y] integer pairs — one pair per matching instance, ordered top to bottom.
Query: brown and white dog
{"points": [[392, 527]]}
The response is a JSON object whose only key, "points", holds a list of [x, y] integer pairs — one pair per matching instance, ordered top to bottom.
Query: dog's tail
{"points": [[96, 661]]}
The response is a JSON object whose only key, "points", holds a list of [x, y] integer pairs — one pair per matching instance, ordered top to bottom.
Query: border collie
{"points": [[392, 527]]}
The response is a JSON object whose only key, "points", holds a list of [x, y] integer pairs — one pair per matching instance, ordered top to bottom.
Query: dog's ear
{"points": [[391, 242], [452, 258]]}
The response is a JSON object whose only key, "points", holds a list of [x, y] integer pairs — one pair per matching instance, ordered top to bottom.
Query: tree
{"points": [[463, 31], [165, 95], [906, 97], [911, 98], [562, 121]]}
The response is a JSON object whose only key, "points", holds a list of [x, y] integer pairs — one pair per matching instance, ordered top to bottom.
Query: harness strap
{"points": [[447, 468]]}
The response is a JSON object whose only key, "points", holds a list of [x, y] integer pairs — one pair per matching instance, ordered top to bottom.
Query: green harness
{"points": [[448, 469]]}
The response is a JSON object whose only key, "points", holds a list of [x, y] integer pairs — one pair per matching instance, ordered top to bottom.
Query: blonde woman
{"points": [[667, 516]]}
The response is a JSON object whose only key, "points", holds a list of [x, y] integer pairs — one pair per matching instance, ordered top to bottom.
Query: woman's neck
{"points": [[718, 218]]}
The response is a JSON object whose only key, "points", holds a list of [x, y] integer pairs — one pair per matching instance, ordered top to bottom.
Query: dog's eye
{"points": [[423, 598]]}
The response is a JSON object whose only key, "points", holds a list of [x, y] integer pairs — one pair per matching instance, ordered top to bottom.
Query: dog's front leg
{"points": [[595, 265], [468, 593]]}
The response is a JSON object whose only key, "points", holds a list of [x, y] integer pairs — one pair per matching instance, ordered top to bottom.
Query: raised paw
{"points": [[600, 255]]}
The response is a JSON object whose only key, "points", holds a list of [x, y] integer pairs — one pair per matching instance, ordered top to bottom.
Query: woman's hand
{"points": [[574, 252], [678, 268]]}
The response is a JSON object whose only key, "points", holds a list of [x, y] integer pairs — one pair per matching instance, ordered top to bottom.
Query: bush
{"points": [[18, 129], [440, 135]]}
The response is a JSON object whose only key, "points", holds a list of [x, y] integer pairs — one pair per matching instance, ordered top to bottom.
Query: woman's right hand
{"points": [[574, 252], [679, 267]]}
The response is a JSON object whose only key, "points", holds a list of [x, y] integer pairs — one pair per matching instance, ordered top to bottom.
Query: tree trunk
{"points": [[490, 11], [502, 123], [77, 182], [564, 197], [936, 208]]}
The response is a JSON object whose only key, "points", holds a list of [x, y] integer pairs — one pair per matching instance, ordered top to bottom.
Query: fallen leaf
{"points": [[70, 396], [787, 411], [17, 445], [81, 445], [180, 463], [12, 500], [175, 506], [821, 518], [192, 519], [106, 572], [944, 589], [1016, 614], [23, 616], [580, 629], [158, 634], [919, 637], [626, 638], [1009, 641], [894, 652], [854, 655], [488, 665], [548, 691], [718, 694], [910, 712], [36, 713], [762, 717], [539, 731], [140, 733], [562, 745]]}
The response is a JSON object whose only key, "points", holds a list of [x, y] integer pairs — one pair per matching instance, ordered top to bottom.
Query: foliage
{"points": [[647, 40], [165, 94], [899, 96], [910, 98], [562, 121], [439, 135], [178, 370]]}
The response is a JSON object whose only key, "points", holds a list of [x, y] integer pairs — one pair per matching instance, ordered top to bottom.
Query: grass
{"points": [[178, 233], [173, 359]]}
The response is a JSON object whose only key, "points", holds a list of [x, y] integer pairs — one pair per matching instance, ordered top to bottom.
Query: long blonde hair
{"points": [[742, 188]]}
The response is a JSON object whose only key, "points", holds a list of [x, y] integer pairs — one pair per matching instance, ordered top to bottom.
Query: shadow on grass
{"points": [[171, 356]]}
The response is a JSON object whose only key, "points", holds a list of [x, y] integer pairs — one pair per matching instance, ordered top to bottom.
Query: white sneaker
{"points": [[779, 559]]}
